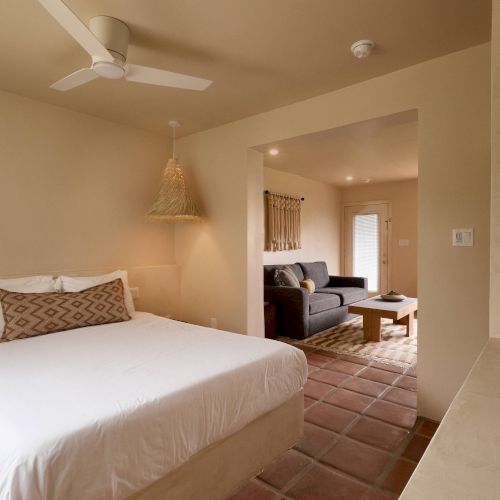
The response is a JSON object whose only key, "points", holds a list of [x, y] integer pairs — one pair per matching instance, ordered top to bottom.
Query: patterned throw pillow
{"points": [[284, 276], [309, 285], [31, 314]]}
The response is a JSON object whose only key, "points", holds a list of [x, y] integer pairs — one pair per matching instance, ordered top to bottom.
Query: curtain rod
{"points": [[289, 195]]}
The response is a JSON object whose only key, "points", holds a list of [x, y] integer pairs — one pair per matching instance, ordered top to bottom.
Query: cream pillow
{"points": [[79, 283], [28, 284], [309, 285]]}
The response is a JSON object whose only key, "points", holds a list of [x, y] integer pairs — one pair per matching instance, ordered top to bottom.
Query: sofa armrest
{"points": [[340, 281], [289, 297], [292, 308]]}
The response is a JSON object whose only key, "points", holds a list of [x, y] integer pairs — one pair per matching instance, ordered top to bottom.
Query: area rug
{"points": [[393, 349]]}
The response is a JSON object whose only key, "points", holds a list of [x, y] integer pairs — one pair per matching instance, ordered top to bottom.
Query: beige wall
{"points": [[451, 94], [495, 173], [74, 191], [403, 196], [320, 219], [255, 238], [212, 254]]}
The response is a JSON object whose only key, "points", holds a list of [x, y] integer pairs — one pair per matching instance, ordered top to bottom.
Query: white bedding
{"points": [[104, 411]]}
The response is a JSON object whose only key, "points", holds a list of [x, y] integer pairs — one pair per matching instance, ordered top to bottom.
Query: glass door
{"points": [[366, 233]]}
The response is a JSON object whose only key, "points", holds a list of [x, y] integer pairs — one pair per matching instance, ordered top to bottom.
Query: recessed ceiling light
{"points": [[274, 151], [349, 178]]}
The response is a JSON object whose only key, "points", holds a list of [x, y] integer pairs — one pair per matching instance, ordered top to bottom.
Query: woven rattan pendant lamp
{"points": [[174, 201]]}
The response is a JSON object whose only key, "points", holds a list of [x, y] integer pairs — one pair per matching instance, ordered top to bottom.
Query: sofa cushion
{"points": [[270, 269], [297, 270], [316, 271], [285, 277], [347, 294], [319, 302]]}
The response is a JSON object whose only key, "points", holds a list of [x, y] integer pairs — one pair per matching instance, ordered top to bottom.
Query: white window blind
{"points": [[366, 249]]}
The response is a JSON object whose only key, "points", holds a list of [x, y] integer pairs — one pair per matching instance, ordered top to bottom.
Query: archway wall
{"points": [[495, 173], [221, 259]]}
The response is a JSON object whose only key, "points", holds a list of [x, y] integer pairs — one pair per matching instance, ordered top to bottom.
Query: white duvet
{"points": [[104, 411]]}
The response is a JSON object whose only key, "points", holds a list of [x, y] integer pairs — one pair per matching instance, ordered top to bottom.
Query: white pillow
{"points": [[79, 283], [28, 284]]}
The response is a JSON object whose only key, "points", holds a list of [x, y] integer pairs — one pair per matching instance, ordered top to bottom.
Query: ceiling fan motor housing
{"points": [[112, 33]]}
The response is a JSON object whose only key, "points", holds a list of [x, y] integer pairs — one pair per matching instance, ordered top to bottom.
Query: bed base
{"points": [[220, 470]]}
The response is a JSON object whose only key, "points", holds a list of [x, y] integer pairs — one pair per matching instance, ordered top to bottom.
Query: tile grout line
{"points": [[396, 455]]}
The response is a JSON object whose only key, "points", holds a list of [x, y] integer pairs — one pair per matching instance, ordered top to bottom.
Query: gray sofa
{"points": [[300, 314]]}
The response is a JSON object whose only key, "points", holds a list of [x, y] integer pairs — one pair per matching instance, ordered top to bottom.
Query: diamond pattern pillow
{"points": [[284, 276], [32, 314]]}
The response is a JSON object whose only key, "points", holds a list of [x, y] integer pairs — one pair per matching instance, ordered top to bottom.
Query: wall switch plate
{"points": [[463, 237], [404, 243], [134, 290]]}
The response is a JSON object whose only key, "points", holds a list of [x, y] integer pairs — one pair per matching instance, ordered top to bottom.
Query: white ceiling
{"points": [[261, 54], [383, 149]]}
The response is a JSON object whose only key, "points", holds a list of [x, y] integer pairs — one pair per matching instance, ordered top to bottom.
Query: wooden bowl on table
{"points": [[393, 296]]}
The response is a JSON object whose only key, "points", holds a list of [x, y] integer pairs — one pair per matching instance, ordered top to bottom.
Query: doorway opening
{"points": [[359, 186]]}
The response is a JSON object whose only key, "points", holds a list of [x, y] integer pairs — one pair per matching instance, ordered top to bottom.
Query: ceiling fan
{"points": [[106, 40]]}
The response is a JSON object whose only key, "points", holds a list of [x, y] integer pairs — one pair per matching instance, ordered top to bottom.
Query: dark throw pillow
{"points": [[284, 276]]}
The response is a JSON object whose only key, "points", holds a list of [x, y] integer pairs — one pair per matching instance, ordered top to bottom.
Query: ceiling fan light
{"points": [[109, 70]]}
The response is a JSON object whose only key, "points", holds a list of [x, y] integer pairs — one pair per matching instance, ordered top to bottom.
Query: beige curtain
{"points": [[282, 222]]}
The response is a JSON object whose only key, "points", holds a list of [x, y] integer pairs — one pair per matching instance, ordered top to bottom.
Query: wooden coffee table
{"points": [[374, 309]]}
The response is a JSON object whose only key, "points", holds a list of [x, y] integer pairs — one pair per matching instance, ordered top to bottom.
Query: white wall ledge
{"points": [[462, 461]]}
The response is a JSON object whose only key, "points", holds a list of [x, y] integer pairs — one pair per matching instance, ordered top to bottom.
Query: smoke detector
{"points": [[362, 48]]}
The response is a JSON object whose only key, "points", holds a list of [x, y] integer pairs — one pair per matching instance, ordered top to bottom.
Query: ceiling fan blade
{"points": [[76, 28], [154, 76], [75, 79]]}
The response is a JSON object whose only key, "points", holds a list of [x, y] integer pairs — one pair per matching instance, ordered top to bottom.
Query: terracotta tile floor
{"points": [[362, 438]]}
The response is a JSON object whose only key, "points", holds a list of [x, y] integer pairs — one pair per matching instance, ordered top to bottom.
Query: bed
{"points": [[146, 409]]}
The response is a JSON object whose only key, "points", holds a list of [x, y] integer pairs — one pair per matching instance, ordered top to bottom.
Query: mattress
{"points": [[102, 412]]}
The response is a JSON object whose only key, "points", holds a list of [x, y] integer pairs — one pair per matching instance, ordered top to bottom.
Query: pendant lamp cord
{"points": [[173, 148]]}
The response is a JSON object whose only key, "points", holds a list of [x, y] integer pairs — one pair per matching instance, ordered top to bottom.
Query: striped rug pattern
{"points": [[393, 349]]}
